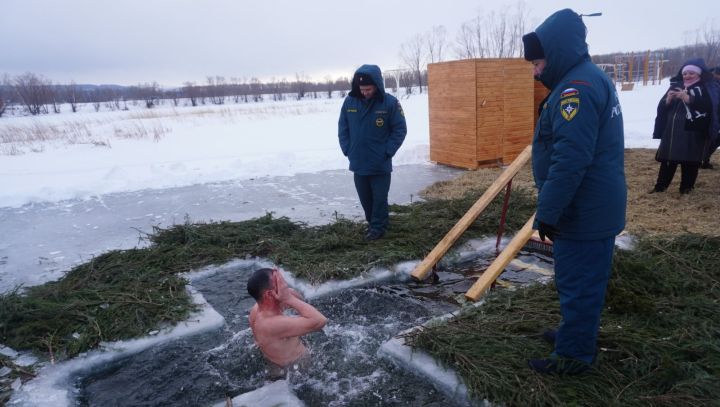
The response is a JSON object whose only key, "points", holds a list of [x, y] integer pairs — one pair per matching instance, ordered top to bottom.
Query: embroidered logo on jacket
{"points": [[569, 107], [351, 110], [379, 122]]}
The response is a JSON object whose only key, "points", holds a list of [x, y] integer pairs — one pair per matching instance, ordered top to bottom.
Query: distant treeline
{"points": [[490, 35], [38, 95]]}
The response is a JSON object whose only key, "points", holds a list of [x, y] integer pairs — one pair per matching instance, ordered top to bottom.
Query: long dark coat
{"points": [[683, 129]]}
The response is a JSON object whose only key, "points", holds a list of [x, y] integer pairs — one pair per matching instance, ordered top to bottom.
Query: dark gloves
{"points": [[545, 230]]}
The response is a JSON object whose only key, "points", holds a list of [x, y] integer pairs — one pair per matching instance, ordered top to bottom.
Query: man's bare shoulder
{"points": [[281, 326]]}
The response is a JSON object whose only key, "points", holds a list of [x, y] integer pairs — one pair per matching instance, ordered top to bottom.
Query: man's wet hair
{"points": [[259, 282]]}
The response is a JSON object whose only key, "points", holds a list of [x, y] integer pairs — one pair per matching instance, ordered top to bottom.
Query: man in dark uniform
{"points": [[370, 130], [578, 165]]}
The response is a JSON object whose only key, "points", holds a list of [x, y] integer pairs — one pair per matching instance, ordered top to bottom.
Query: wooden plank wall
{"points": [[451, 101], [519, 102], [482, 111], [491, 120]]}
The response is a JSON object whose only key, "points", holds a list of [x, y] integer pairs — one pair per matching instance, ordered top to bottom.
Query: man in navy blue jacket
{"points": [[370, 130], [578, 165]]}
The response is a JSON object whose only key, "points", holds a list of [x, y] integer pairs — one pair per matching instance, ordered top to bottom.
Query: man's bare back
{"points": [[276, 334]]}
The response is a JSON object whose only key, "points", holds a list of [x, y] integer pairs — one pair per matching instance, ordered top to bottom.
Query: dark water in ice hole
{"points": [[201, 370]]}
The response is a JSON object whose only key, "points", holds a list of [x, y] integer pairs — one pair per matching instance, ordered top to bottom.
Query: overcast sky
{"points": [[173, 41]]}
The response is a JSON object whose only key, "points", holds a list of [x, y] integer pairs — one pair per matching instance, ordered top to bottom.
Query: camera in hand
{"points": [[676, 84]]}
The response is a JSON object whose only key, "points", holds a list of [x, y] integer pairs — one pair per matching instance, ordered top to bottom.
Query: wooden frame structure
{"points": [[482, 111], [425, 267], [496, 268]]}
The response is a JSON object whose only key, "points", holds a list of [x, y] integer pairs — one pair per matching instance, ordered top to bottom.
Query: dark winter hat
{"points": [[533, 48], [698, 62], [716, 70], [362, 79]]}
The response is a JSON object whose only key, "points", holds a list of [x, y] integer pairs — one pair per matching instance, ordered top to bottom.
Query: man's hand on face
{"points": [[282, 292]]}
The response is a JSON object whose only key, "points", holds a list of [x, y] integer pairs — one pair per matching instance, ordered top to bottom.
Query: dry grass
{"points": [[230, 111], [34, 137], [664, 213]]}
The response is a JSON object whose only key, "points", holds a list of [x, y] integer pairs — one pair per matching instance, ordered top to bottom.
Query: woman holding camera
{"points": [[682, 125]]}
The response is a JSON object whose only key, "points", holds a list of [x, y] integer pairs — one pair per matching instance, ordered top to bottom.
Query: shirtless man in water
{"points": [[276, 334]]}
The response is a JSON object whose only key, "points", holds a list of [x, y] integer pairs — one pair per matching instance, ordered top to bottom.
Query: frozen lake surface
{"points": [[43, 241]]}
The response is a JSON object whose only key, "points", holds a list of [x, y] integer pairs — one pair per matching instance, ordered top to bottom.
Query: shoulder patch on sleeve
{"points": [[569, 92], [569, 107]]}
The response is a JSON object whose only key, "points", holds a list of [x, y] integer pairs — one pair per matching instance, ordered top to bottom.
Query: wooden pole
{"points": [[497, 266], [424, 268]]}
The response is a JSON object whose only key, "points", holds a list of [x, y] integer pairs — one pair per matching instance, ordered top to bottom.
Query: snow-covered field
{"points": [[85, 154], [89, 154]]}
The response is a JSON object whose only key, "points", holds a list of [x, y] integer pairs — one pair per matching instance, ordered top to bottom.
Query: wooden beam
{"points": [[497, 266], [424, 268]]}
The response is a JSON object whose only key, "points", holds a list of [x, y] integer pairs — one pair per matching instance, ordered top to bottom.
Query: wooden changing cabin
{"points": [[482, 111]]}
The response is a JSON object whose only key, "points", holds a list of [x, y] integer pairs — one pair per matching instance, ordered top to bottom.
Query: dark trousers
{"points": [[711, 149], [688, 175], [373, 193], [582, 271]]}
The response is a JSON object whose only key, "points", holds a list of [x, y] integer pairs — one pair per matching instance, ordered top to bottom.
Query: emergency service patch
{"points": [[569, 92], [569, 107], [379, 122]]}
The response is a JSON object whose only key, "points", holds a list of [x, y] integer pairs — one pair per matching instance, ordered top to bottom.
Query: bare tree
{"points": [[517, 28], [494, 34], [710, 36], [496, 38], [436, 43], [467, 45], [412, 53], [407, 79], [343, 85], [300, 86], [329, 86], [279, 87], [234, 89], [244, 89], [256, 89], [216, 90], [190, 91], [32, 92], [150, 94], [72, 95], [174, 95], [53, 96], [95, 97], [112, 97], [3, 103]]}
